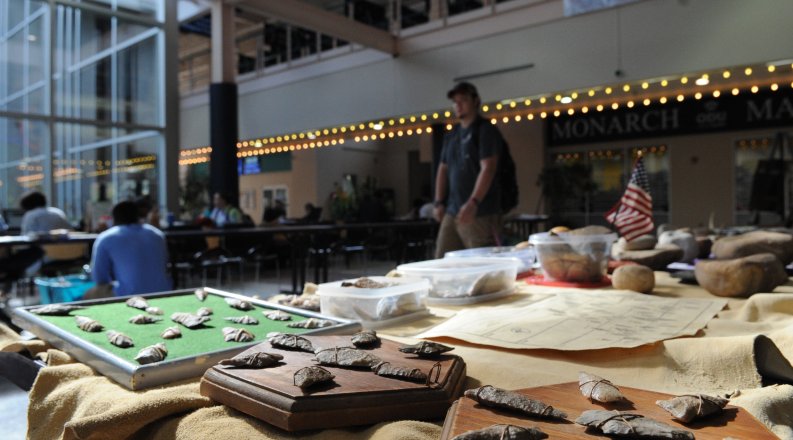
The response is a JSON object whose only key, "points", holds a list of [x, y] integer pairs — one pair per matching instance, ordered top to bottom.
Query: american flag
{"points": [[633, 214]]}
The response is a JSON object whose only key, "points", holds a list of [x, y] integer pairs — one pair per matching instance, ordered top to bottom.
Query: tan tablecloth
{"points": [[70, 401]]}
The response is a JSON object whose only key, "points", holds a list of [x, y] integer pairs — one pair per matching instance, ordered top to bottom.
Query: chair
{"points": [[260, 255], [219, 259]]}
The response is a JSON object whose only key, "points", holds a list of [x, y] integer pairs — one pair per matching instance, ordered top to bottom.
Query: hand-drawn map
{"points": [[581, 320]]}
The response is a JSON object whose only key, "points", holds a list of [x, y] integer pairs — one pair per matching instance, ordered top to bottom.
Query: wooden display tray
{"points": [[357, 396], [466, 415]]}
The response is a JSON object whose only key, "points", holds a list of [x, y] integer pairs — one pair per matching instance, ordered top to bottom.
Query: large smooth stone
{"points": [[591, 230], [683, 240], [756, 242], [641, 243], [655, 259], [633, 277], [741, 277]]}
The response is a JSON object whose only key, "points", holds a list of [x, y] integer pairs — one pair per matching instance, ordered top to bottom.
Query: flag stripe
{"points": [[632, 215]]}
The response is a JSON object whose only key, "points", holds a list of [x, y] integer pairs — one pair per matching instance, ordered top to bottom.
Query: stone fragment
{"points": [[683, 240], [755, 242], [655, 259], [634, 277], [741, 277]]}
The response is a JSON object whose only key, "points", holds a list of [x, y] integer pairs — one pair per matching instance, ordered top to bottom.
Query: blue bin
{"points": [[63, 289]]}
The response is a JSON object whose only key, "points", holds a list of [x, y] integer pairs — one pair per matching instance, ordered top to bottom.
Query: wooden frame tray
{"points": [[134, 376], [357, 396], [466, 415]]}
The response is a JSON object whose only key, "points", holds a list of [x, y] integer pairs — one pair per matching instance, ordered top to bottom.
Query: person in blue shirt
{"points": [[132, 255]]}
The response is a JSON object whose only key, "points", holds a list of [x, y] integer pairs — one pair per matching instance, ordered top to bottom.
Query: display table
{"points": [[736, 351]]}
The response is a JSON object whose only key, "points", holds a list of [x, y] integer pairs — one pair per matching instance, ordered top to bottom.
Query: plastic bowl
{"points": [[525, 256], [573, 258], [459, 281], [375, 307]]}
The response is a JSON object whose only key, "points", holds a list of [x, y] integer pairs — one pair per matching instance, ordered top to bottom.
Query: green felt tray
{"points": [[115, 316], [188, 356]]}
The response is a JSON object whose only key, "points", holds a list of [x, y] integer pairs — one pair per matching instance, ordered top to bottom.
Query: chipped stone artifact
{"points": [[365, 283], [201, 294], [137, 302], [239, 304], [55, 309], [154, 310], [204, 311], [277, 315], [143, 319], [245, 319], [188, 320], [311, 323], [87, 324], [171, 333], [231, 334], [365, 338], [119, 339], [292, 342], [426, 349], [152, 353], [346, 357], [259, 359], [385, 369], [309, 376], [597, 389], [489, 395], [690, 407], [632, 425], [503, 432]]}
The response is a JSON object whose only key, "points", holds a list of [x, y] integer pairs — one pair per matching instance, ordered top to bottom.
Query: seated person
{"points": [[223, 212], [274, 213], [312, 214], [38, 217], [133, 255]]}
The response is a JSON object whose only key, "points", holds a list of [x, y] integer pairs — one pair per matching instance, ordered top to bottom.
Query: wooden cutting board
{"points": [[356, 397], [466, 415]]}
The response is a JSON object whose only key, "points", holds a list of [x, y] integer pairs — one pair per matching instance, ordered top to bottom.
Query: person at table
{"points": [[467, 194], [223, 211], [274, 213], [40, 218], [131, 255]]}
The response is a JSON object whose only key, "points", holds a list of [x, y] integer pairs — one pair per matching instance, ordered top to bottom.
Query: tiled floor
{"points": [[14, 401]]}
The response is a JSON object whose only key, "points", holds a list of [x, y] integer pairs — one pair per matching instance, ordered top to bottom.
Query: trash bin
{"points": [[63, 289]]}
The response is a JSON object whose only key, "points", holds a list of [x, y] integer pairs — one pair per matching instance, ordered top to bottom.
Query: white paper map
{"points": [[581, 320]]}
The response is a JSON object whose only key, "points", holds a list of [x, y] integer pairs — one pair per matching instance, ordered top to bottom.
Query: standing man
{"points": [[467, 194]]}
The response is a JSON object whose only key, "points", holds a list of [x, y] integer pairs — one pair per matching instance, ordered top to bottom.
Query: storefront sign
{"points": [[742, 112]]}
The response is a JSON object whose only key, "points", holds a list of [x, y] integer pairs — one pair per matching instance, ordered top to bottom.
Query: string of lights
{"points": [[771, 76]]}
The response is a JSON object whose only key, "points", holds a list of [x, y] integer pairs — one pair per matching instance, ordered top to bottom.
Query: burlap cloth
{"points": [[751, 340]]}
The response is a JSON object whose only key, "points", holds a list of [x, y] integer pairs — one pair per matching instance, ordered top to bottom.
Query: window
{"points": [[581, 186]]}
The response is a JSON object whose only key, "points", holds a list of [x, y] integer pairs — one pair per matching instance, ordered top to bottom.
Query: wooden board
{"points": [[357, 396], [466, 415]]}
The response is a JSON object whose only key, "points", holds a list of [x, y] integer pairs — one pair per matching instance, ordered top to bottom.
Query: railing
{"points": [[267, 48]]}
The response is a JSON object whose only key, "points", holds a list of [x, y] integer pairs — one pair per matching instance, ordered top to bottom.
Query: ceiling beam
{"points": [[310, 17]]}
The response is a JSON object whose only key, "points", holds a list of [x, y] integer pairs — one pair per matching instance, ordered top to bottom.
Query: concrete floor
{"points": [[14, 401]]}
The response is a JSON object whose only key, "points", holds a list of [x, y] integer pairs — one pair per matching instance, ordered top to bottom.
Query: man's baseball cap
{"points": [[464, 88]]}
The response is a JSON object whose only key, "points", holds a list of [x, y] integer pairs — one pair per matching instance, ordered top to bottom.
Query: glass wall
{"points": [[81, 101]]}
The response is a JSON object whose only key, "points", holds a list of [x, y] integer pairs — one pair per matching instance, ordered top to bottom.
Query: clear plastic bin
{"points": [[524, 256], [573, 258], [459, 281], [63, 289], [403, 299]]}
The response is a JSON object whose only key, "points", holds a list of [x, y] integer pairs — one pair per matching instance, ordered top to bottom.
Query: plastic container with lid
{"points": [[524, 256], [575, 258], [459, 281], [63, 289], [401, 300]]}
